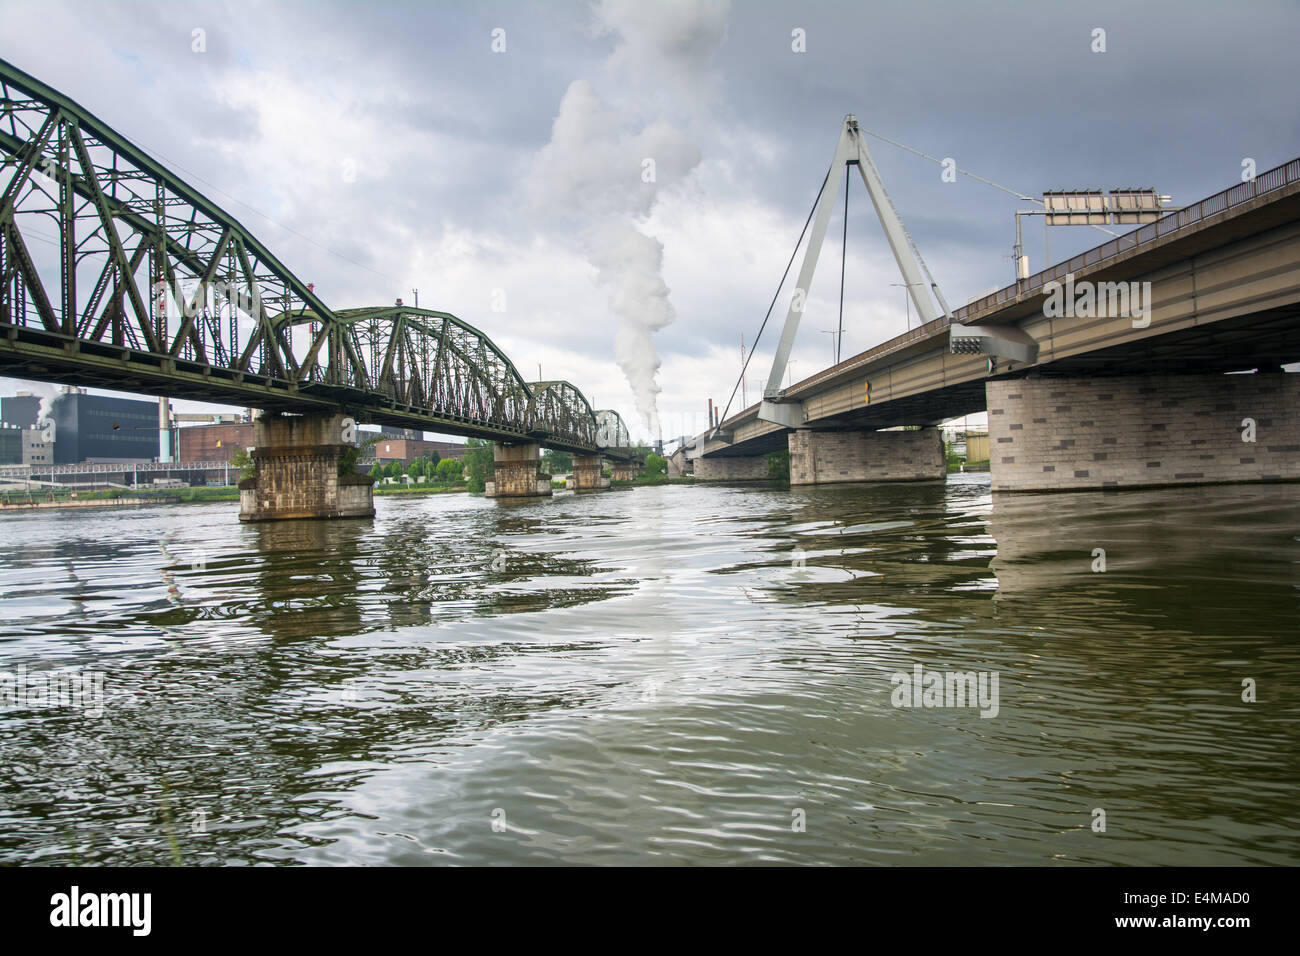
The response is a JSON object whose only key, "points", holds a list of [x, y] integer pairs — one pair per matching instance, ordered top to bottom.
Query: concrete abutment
{"points": [[741, 468], [588, 474]]}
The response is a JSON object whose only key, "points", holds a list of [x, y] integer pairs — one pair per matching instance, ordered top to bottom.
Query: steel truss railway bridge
{"points": [[115, 273]]}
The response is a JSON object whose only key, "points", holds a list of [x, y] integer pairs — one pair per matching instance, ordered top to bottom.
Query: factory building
{"points": [[85, 427], [212, 442]]}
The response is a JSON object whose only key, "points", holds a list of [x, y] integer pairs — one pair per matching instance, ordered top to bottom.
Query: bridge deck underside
{"points": [[1264, 340]]}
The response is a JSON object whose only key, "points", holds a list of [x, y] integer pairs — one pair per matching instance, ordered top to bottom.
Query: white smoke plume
{"points": [[603, 173], [48, 393], [45, 411]]}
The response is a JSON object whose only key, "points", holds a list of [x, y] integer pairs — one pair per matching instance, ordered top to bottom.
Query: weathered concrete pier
{"points": [[297, 460], [516, 472]]}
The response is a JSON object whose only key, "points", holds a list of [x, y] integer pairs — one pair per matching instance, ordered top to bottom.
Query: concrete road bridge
{"points": [[115, 273], [1109, 370]]}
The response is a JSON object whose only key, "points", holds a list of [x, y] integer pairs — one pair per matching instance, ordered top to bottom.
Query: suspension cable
{"points": [[969, 174], [775, 295]]}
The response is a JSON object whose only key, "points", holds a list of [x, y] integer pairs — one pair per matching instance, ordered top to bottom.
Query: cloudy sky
{"points": [[493, 154]]}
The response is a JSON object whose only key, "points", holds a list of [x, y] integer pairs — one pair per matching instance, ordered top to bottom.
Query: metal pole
{"points": [[843, 149], [844, 255], [1016, 264], [907, 302], [743, 399]]}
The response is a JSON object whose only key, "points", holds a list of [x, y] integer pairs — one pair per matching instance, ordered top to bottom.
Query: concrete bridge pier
{"points": [[1075, 434], [827, 457], [737, 468], [623, 471], [297, 472], [516, 472], [588, 474]]}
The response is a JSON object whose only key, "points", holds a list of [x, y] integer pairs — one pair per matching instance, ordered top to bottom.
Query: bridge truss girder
{"points": [[116, 273]]}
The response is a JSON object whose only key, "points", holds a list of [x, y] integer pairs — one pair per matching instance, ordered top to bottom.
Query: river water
{"points": [[675, 674]]}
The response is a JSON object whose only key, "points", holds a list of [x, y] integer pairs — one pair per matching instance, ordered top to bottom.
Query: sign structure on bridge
{"points": [[1093, 207]]}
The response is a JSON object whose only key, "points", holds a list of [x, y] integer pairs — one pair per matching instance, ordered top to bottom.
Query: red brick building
{"points": [[212, 442], [220, 442], [406, 450]]}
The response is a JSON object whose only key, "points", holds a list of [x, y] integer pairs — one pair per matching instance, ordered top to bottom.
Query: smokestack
{"points": [[710, 425], [164, 431]]}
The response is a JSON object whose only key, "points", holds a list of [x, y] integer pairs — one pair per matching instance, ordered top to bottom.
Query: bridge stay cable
{"points": [[850, 150], [969, 175], [776, 295]]}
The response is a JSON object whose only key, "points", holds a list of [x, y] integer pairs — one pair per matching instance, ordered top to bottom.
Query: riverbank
{"points": [[653, 480], [420, 490], [118, 497], [125, 501]]}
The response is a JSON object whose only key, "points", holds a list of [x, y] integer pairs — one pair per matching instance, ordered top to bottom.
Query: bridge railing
{"points": [[1264, 183]]}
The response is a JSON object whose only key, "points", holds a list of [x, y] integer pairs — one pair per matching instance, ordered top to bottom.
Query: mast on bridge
{"points": [[850, 151]]}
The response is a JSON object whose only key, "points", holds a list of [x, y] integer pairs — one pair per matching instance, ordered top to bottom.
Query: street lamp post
{"points": [[907, 301], [835, 344]]}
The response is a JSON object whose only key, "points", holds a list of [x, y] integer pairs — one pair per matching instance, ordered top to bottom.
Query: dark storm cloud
{"points": [[1014, 92], [443, 131]]}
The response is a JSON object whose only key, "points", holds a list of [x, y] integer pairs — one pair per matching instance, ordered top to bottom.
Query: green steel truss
{"points": [[115, 273]]}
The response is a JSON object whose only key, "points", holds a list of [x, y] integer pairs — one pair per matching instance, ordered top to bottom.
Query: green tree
{"points": [[352, 454], [557, 462], [478, 463], [244, 464], [655, 465], [778, 465], [416, 468], [394, 469], [376, 471], [449, 471]]}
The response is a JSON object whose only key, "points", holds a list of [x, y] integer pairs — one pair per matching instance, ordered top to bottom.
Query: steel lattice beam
{"points": [[150, 287]]}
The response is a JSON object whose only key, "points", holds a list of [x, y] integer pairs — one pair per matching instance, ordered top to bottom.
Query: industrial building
{"points": [[90, 428], [212, 442], [11, 445], [24, 446], [406, 450]]}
